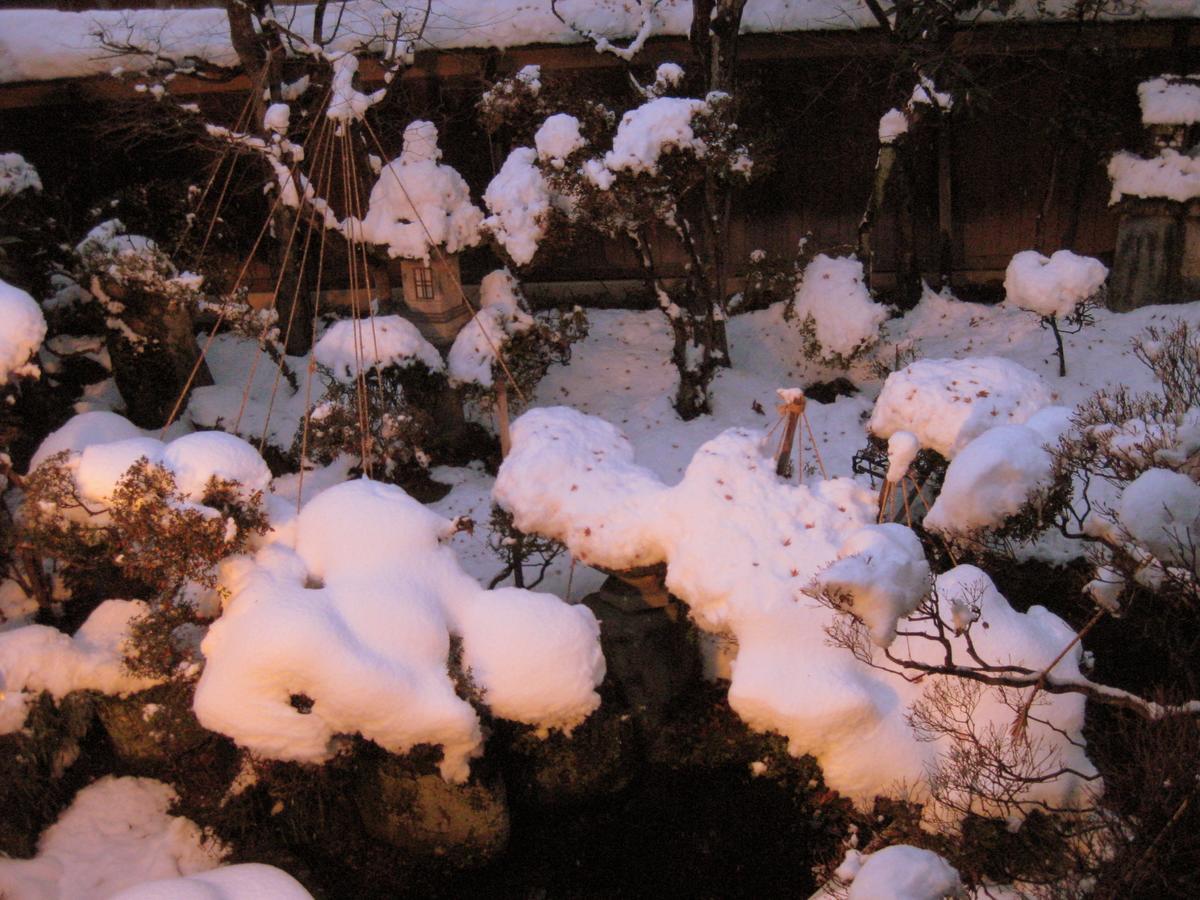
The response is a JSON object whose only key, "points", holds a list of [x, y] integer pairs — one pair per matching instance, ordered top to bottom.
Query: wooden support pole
{"points": [[792, 408], [502, 415]]}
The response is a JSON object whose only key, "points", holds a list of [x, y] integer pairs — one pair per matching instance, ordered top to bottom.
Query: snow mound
{"points": [[1169, 100], [652, 129], [558, 138], [17, 175], [1170, 175], [519, 201], [417, 203], [1052, 286], [834, 300], [22, 330], [351, 345], [473, 355], [947, 403], [82, 431], [195, 459], [993, 477], [1161, 511], [740, 548], [881, 570], [359, 619], [36, 658], [117, 833], [901, 872], [245, 881]]}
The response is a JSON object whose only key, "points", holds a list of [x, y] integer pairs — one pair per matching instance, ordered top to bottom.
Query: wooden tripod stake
{"points": [[791, 409], [502, 415]]}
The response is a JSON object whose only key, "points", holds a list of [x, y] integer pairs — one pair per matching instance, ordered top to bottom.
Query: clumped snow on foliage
{"points": [[1170, 100], [345, 102], [892, 125], [650, 130], [557, 138], [17, 175], [1170, 175], [519, 201], [417, 203], [1054, 285], [833, 300], [22, 330], [352, 345], [472, 357], [947, 403], [997, 473], [1160, 509], [742, 549], [359, 617], [36, 658], [117, 833]]}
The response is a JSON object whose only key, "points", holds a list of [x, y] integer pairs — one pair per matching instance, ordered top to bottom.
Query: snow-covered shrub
{"points": [[17, 175], [1061, 289], [838, 319], [503, 328], [22, 329], [378, 372], [147, 518], [358, 620], [898, 872]]}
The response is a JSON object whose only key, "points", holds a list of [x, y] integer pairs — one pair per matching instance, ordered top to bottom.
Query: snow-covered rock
{"points": [[1052, 286], [833, 295], [22, 330], [377, 342], [947, 403], [741, 549], [358, 618], [36, 658], [117, 833], [901, 872], [245, 881]]}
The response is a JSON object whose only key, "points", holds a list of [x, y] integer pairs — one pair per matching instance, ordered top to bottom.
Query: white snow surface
{"points": [[1169, 100], [345, 102], [277, 117], [648, 131], [17, 175], [1170, 175], [519, 201], [417, 203], [1054, 285], [833, 293], [501, 315], [22, 330], [376, 342], [947, 403], [83, 430], [997, 473], [740, 548], [358, 617], [36, 658], [117, 833], [901, 872], [245, 881]]}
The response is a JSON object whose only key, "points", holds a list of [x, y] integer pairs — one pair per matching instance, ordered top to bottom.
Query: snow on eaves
{"points": [[38, 45]]}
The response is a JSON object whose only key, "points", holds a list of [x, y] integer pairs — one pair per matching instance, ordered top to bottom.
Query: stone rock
{"points": [[152, 728], [598, 757], [410, 806]]}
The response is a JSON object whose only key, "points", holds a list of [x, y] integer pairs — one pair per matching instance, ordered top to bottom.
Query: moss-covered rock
{"points": [[151, 729]]}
